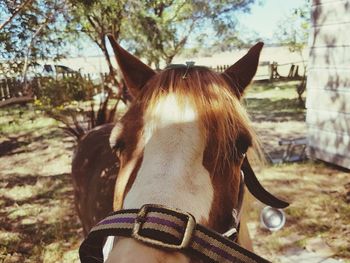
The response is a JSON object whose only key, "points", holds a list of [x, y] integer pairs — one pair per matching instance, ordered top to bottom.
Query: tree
{"points": [[15, 12], [97, 19], [34, 30], [155, 30], [159, 30], [294, 34]]}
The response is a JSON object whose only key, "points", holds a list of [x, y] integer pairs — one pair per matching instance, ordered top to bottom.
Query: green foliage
{"points": [[97, 18], [294, 29], [155, 30], [159, 30], [37, 32], [294, 34], [55, 92]]}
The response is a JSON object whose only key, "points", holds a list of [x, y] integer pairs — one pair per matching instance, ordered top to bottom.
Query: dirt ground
{"points": [[37, 215], [318, 219], [38, 222]]}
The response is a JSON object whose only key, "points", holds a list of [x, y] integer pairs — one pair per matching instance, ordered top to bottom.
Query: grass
{"points": [[274, 90], [274, 102], [23, 119], [318, 208], [38, 222]]}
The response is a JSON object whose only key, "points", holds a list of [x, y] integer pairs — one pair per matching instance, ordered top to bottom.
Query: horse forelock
{"points": [[219, 110]]}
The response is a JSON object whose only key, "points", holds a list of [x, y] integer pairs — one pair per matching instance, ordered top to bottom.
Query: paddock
{"points": [[36, 186]]}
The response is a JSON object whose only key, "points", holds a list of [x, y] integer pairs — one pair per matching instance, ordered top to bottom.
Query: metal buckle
{"points": [[141, 217], [230, 232]]}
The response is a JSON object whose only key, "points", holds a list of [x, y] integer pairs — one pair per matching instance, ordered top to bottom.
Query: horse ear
{"points": [[134, 71], [242, 72]]}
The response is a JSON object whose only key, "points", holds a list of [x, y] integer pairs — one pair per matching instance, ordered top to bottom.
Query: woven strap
{"points": [[257, 190], [165, 228]]}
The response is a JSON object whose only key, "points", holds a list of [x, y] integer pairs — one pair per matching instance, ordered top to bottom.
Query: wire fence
{"points": [[15, 89]]}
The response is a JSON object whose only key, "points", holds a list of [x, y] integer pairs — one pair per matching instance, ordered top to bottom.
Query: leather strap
{"points": [[257, 190], [168, 229]]}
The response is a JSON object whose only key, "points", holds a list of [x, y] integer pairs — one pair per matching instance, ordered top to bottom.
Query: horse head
{"points": [[182, 142], [181, 148]]}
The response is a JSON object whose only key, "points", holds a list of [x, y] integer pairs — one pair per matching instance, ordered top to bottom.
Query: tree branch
{"points": [[15, 13], [32, 41]]}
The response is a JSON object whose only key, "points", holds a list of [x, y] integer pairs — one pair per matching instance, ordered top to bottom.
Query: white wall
{"points": [[328, 87]]}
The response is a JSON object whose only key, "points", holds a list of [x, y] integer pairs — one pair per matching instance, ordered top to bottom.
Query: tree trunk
{"points": [[15, 13], [103, 47], [169, 59], [26, 90], [300, 90]]}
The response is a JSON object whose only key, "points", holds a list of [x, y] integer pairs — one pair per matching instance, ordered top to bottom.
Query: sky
{"points": [[263, 20]]}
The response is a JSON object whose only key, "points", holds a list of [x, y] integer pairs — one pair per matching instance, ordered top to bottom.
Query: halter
{"points": [[175, 230]]}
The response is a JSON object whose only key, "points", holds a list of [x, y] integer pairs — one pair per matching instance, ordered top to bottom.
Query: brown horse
{"points": [[181, 144], [94, 171]]}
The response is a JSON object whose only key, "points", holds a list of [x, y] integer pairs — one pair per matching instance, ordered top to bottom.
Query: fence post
{"points": [[273, 71], [291, 71], [296, 73], [38, 87], [2, 88], [7, 89]]}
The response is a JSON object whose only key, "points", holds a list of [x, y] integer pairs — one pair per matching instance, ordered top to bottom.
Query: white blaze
{"points": [[172, 173]]}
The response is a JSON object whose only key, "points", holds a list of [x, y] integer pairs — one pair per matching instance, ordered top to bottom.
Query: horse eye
{"points": [[118, 147], [242, 150], [238, 153], [242, 155]]}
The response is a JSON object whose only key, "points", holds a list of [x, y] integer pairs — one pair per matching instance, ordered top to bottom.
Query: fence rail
{"points": [[270, 71], [14, 89]]}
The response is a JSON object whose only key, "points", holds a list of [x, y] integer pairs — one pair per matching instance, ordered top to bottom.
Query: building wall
{"points": [[328, 87]]}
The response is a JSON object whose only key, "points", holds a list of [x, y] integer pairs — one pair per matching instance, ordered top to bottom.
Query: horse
{"points": [[181, 148], [94, 172]]}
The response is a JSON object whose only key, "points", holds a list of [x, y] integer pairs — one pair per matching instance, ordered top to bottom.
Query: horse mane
{"points": [[223, 118]]}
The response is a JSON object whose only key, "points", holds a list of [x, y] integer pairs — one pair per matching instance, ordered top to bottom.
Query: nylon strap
{"points": [[257, 190], [163, 227]]}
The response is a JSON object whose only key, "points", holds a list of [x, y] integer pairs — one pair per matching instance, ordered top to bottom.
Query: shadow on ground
{"points": [[38, 222]]}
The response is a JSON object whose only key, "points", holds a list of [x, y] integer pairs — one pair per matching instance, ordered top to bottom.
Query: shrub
{"points": [[55, 92]]}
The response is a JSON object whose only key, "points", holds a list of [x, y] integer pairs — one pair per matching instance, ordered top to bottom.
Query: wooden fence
{"points": [[271, 72], [10, 88], [13, 90]]}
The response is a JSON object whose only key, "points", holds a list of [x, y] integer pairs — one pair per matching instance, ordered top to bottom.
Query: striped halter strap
{"points": [[171, 229]]}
